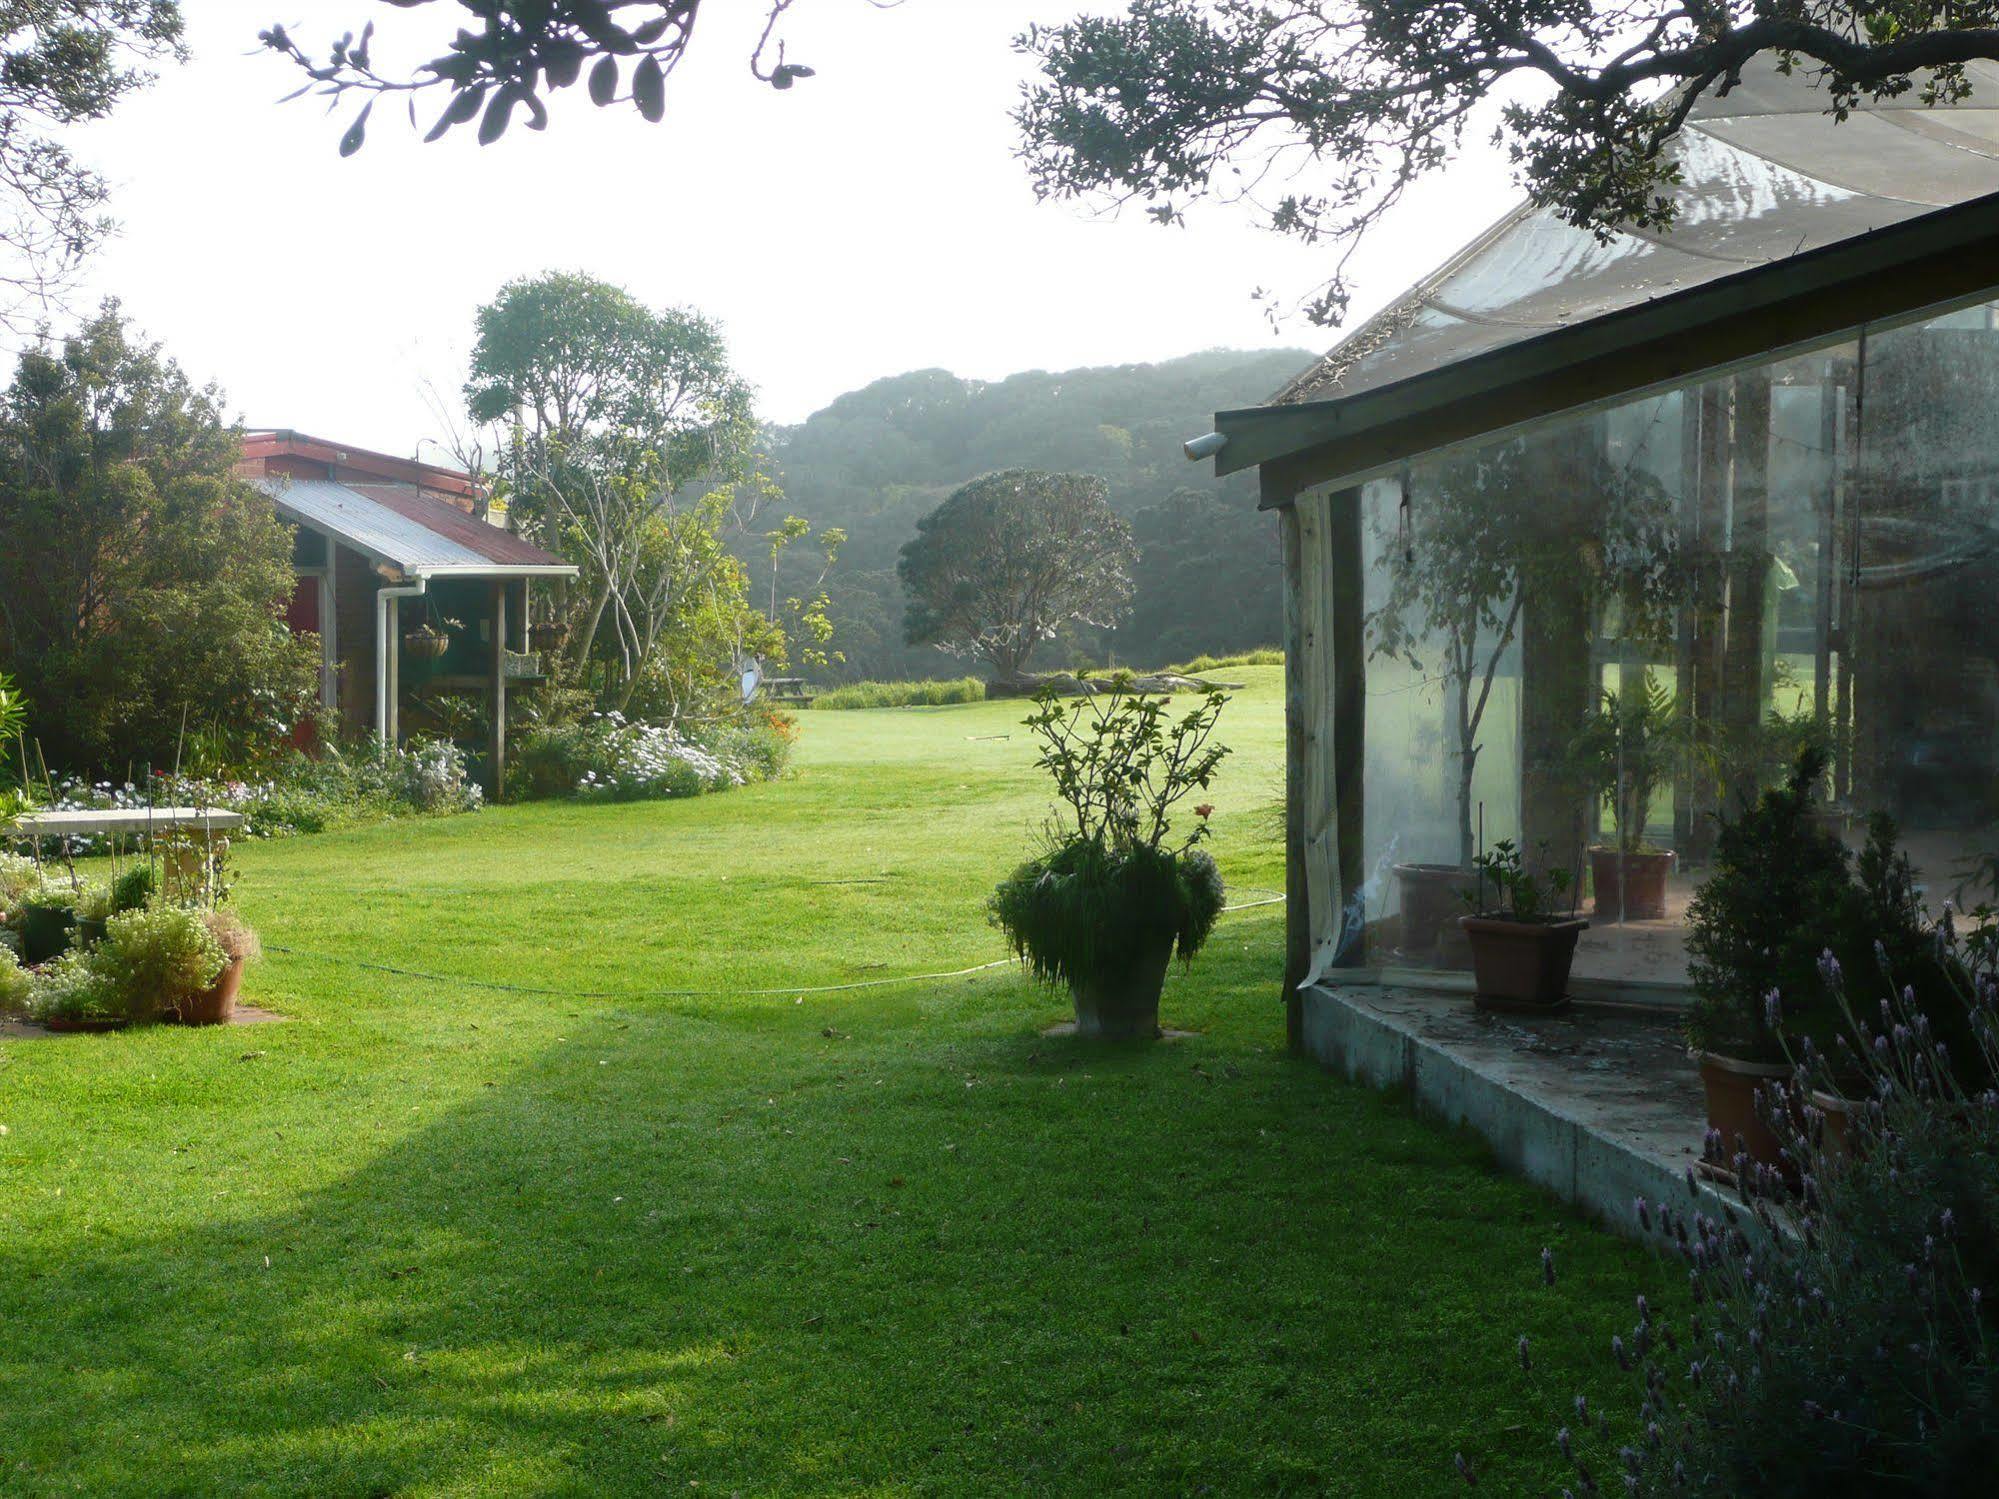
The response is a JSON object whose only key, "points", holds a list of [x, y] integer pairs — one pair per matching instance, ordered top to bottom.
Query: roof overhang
{"points": [[1924, 264]]}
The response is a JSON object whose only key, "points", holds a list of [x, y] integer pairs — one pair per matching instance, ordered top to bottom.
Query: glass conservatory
{"points": [[1588, 540]]}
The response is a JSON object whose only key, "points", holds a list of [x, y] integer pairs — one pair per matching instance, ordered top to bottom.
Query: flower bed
{"points": [[608, 757]]}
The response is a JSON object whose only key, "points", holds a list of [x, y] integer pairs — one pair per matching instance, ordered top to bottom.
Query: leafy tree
{"points": [[63, 63], [1341, 104], [629, 446], [1011, 558], [141, 585]]}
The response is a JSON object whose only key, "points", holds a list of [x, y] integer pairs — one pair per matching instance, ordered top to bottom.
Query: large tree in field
{"points": [[63, 63], [1330, 107], [627, 444], [1011, 558], [142, 586]]}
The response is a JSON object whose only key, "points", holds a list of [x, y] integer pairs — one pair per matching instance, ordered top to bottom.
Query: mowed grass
{"points": [[425, 1238]]}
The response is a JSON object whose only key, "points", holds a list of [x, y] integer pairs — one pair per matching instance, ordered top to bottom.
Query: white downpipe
{"points": [[384, 642]]}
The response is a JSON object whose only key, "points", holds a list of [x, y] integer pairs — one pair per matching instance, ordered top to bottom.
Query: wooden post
{"points": [[1348, 644], [496, 769], [1297, 911]]}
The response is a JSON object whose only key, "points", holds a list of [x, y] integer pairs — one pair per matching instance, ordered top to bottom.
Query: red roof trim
{"points": [[274, 442]]}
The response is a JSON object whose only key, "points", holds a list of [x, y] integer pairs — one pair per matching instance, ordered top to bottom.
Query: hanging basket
{"points": [[548, 635], [426, 644]]}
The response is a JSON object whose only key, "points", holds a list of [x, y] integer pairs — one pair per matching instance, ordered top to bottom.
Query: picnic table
{"points": [[788, 690]]}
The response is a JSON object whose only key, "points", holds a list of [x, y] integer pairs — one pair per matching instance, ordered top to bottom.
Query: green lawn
{"points": [[431, 1238]]}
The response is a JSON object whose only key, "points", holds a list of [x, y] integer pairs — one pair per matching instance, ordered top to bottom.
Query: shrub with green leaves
{"points": [[932, 693], [1076, 914], [16, 983]]}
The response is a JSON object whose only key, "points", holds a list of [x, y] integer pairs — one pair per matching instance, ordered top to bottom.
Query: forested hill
{"points": [[879, 458]]}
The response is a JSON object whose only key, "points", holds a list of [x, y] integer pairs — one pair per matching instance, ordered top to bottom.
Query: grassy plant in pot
{"points": [[1629, 744], [1116, 894], [1780, 895], [1523, 947]]}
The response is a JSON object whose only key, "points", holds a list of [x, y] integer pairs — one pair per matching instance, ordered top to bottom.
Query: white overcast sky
{"points": [[872, 220]]}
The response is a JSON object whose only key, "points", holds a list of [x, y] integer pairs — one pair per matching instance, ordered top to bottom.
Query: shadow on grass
{"points": [[916, 1248]]}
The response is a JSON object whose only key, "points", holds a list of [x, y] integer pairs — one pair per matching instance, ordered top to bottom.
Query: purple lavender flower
{"points": [[1547, 1265], [1526, 1362]]}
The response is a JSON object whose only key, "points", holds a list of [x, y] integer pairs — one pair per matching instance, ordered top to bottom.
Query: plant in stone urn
{"points": [[1117, 891]]}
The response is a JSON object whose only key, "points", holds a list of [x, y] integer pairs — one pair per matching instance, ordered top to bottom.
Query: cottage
{"points": [[1749, 467], [422, 604]]}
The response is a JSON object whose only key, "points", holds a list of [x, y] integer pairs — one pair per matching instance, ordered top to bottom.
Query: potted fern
{"points": [[1628, 745], [1117, 892]]}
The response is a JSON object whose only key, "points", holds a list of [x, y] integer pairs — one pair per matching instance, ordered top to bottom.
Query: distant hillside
{"points": [[879, 458]]}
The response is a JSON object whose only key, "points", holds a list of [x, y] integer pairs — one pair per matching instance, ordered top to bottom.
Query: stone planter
{"points": [[1644, 883], [1430, 896], [1522, 965], [1124, 1006]]}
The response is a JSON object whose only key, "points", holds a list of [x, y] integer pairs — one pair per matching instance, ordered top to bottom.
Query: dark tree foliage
{"points": [[510, 54], [64, 63], [1322, 112], [1011, 558], [141, 584]]}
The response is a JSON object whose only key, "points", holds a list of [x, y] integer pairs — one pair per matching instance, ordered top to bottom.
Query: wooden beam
{"points": [[1907, 271], [1349, 649], [496, 768], [1297, 911]]}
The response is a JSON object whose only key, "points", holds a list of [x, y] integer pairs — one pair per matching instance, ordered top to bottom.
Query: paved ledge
{"points": [[1600, 1106]]}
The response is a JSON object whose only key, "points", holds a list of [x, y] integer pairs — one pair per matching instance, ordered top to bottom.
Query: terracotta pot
{"points": [[1644, 885], [1430, 894], [46, 932], [1522, 965], [215, 1005], [1124, 1007], [83, 1027], [1731, 1085], [1838, 1137]]}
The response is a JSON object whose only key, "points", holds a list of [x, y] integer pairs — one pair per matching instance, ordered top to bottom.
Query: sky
{"points": [[869, 221]]}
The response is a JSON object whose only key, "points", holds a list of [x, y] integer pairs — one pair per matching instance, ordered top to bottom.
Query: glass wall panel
{"points": [[1594, 640], [1920, 737]]}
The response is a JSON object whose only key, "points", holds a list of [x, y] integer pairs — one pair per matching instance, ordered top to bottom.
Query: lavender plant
{"points": [[1839, 1336]]}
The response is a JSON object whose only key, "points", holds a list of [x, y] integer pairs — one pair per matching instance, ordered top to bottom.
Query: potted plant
{"points": [[548, 635], [427, 642], [1630, 743], [1116, 894], [1781, 894], [94, 909], [47, 921], [1522, 947], [159, 959], [76, 993], [216, 1004]]}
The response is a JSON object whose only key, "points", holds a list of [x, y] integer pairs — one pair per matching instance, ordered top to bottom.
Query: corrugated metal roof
{"points": [[1766, 175], [394, 524]]}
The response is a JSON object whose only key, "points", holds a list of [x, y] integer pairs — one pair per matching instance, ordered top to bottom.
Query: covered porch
{"points": [[424, 610]]}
